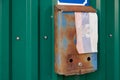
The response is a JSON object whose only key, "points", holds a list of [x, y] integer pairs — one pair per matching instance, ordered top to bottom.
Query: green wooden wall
{"points": [[27, 41]]}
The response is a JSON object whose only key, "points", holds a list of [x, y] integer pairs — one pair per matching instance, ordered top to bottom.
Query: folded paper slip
{"points": [[86, 32]]}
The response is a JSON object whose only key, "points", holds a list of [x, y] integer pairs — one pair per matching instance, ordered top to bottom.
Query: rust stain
{"points": [[75, 8], [69, 58]]}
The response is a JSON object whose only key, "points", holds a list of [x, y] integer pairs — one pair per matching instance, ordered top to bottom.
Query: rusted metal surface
{"points": [[75, 8], [67, 59]]}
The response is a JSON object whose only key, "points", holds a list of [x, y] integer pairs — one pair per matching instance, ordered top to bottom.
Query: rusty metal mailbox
{"points": [[67, 59]]}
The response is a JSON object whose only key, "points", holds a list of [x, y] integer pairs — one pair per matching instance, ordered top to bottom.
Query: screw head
{"points": [[51, 16], [110, 35], [45, 37], [17, 38], [80, 64]]}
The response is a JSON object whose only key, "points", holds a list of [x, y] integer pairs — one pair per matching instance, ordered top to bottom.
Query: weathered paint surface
{"points": [[67, 59]]}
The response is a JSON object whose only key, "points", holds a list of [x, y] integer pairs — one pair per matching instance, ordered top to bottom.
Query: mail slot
{"points": [[68, 61]]}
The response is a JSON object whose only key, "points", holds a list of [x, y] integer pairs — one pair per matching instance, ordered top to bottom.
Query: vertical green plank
{"points": [[100, 5], [4, 32], [34, 38], [0, 39], [10, 39], [38, 39], [45, 39], [110, 39], [28, 40], [31, 40], [117, 45], [19, 46], [25, 49], [100, 73]]}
